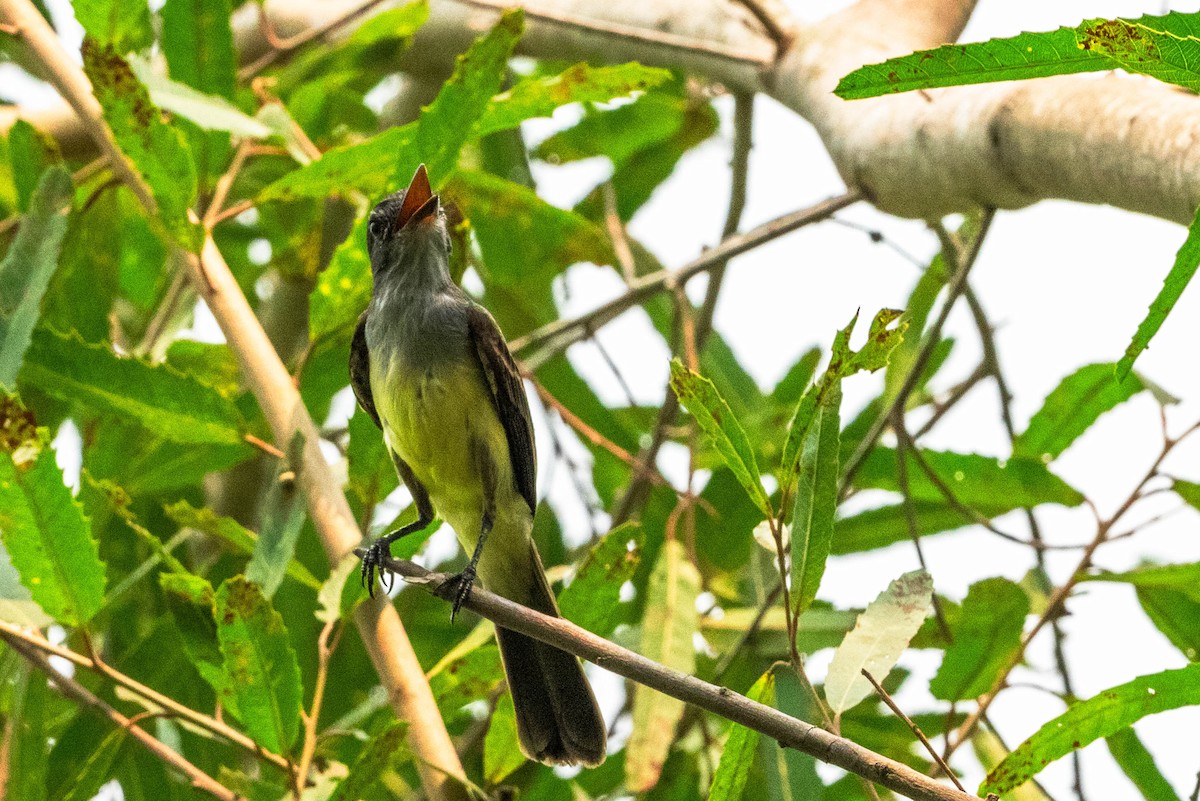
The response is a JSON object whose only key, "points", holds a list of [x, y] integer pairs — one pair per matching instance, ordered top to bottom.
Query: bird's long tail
{"points": [[558, 721]]}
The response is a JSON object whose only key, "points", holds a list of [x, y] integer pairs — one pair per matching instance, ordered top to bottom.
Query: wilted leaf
{"points": [[27, 267], [712, 414], [50, 540], [668, 626], [883, 631], [986, 636], [260, 662], [1100, 716]]}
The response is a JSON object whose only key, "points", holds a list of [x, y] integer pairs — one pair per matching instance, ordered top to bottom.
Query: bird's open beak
{"points": [[419, 201]]}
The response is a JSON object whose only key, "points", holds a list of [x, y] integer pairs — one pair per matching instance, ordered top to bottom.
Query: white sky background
{"points": [[1066, 283]]}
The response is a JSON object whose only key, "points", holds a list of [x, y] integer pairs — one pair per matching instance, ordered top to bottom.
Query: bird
{"points": [[432, 369]]}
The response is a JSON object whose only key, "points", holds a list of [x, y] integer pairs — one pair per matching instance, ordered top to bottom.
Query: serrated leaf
{"points": [[123, 24], [1138, 48], [1027, 55], [581, 83], [210, 112], [158, 151], [389, 159], [522, 237], [1187, 259], [27, 267], [161, 399], [1071, 408], [716, 420], [988, 485], [816, 500], [233, 534], [50, 540], [592, 599], [190, 600], [668, 626], [881, 634], [986, 636], [260, 662], [1100, 716], [501, 753], [372, 761], [1138, 764], [733, 771]]}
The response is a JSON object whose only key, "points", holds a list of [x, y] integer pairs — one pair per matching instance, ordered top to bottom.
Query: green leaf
{"points": [[122, 24], [197, 40], [1144, 49], [1027, 55], [581, 83], [210, 112], [618, 134], [157, 150], [31, 153], [389, 159], [522, 237], [1186, 261], [27, 267], [343, 288], [163, 400], [1071, 408], [712, 413], [371, 476], [989, 485], [1188, 491], [816, 500], [283, 518], [886, 525], [232, 533], [50, 540], [1183, 578], [331, 596], [592, 599], [190, 600], [1177, 615], [669, 624], [881, 634], [987, 635], [260, 662], [464, 677], [28, 710], [1101, 716], [501, 753], [373, 760], [1138, 764], [95, 771], [733, 772]]}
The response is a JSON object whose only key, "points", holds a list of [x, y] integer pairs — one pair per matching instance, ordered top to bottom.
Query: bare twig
{"points": [[282, 47], [325, 649], [80, 694], [916, 730], [788, 731]]}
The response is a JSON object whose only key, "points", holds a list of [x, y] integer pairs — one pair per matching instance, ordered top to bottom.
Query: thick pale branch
{"points": [[382, 632], [788, 731]]}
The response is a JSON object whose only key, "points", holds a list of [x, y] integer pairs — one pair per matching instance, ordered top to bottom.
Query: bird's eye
{"points": [[377, 228]]}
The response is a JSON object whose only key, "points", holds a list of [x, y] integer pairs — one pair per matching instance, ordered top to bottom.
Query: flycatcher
{"points": [[431, 368]]}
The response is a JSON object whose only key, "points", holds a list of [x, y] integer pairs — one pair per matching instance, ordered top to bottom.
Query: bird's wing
{"points": [[360, 369], [508, 398]]}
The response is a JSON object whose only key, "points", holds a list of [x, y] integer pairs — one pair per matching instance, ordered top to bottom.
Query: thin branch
{"points": [[281, 48], [541, 345], [915, 373], [383, 634], [325, 650], [77, 692], [155, 698], [916, 730], [788, 731]]}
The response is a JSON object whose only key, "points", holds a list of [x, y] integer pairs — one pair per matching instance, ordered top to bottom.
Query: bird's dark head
{"points": [[407, 225]]}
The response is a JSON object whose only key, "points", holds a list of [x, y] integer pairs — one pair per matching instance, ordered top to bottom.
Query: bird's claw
{"points": [[372, 563], [462, 589]]}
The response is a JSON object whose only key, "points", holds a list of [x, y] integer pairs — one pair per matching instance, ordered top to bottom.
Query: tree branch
{"points": [[382, 632], [788, 731]]}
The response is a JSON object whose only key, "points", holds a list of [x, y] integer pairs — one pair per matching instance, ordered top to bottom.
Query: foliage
{"points": [[148, 515]]}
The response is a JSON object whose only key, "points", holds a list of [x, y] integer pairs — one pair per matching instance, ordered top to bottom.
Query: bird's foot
{"points": [[373, 562], [460, 587]]}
